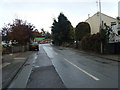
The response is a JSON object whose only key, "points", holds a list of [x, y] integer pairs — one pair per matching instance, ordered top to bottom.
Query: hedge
{"points": [[91, 42]]}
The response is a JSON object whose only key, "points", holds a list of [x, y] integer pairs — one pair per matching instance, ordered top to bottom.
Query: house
{"points": [[94, 21], [114, 36]]}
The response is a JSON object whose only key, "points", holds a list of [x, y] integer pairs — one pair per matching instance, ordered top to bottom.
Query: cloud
{"points": [[41, 19]]}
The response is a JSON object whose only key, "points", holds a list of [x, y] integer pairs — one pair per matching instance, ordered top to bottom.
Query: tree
{"points": [[62, 30], [81, 30], [21, 31], [4, 32], [43, 32], [105, 32], [36, 33], [71, 34], [48, 35], [93, 42]]}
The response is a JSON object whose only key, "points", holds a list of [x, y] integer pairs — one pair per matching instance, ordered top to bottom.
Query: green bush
{"points": [[91, 43]]}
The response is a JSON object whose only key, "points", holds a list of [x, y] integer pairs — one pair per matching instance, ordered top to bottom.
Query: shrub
{"points": [[91, 43]]}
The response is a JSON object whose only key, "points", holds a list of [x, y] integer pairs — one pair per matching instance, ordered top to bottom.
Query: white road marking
{"points": [[19, 58], [35, 59], [4, 65], [95, 78]]}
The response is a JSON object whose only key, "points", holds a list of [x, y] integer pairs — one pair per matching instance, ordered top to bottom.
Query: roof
{"points": [[102, 14]]}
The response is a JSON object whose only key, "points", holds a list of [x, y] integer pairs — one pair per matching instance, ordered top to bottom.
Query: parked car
{"points": [[34, 46]]}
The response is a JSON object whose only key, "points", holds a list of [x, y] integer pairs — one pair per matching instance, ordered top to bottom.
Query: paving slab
{"points": [[11, 66]]}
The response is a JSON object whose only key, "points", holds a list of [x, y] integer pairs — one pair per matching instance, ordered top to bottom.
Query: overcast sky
{"points": [[41, 12]]}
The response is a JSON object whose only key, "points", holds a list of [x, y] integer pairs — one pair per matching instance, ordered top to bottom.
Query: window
{"points": [[113, 23], [118, 32]]}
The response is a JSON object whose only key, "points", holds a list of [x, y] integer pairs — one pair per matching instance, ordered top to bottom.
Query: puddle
{"points": [[60, 48], [103, 62]]}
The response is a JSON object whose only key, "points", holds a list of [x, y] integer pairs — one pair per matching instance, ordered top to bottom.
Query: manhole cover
{"points": [[102, 62]]}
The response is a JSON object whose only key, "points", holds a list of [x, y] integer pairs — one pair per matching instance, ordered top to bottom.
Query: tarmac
{"points": [[113, 57], [12, 63]]}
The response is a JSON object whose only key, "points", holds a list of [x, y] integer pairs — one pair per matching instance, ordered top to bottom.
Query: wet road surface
{"points": [[58, 67], [78, 70], [43, 73]]}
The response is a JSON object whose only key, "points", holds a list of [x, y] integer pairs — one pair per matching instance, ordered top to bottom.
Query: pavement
{"points": [[11, 65], [21, 79]]}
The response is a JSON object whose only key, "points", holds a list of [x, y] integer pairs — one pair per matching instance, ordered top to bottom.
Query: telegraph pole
{"points": [[100, 14], [119, 14], [101, 44]]}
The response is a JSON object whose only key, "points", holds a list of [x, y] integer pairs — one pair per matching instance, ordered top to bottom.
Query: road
{"points": [[59, 67], [78, 70]]}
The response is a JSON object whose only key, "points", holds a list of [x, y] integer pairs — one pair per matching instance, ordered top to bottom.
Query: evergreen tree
{"points": [[62, 30]]}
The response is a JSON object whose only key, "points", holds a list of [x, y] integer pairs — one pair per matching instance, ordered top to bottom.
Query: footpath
{"points": [[11, 65]]}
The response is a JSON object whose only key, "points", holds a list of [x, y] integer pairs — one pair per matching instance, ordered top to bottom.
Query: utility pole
{"points": [[119, 13], [100, 14], [101, 44]]}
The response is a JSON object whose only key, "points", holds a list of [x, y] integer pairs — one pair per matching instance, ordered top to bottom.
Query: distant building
{"points": [[94, 21], [38, 39]]}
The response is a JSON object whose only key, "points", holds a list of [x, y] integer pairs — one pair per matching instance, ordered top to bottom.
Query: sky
{"points": [[40, 13]]}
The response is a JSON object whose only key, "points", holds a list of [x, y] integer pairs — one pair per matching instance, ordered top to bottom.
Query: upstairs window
{"points": [[113, 23]]}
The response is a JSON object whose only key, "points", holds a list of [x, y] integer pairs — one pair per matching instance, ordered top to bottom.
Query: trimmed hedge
{"points": [[91, 43]]}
